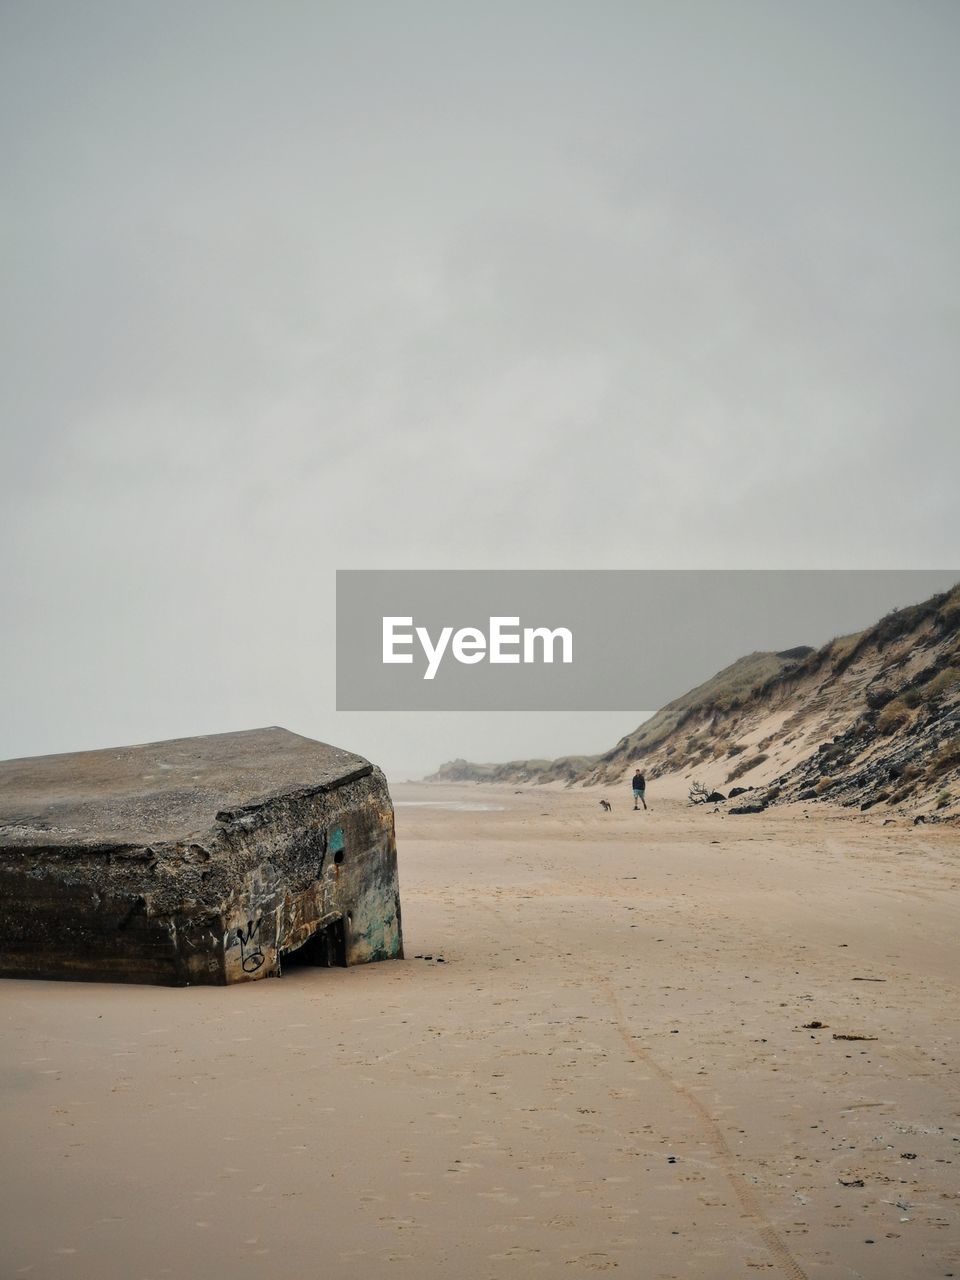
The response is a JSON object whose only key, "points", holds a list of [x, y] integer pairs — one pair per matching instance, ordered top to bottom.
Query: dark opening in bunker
{"points": [[327, 948]]}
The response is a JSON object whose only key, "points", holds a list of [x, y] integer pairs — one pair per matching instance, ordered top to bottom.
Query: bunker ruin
{"points": [[217, 859]]}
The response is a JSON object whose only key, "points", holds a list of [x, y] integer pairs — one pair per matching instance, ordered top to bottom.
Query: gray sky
{"points": [[290, 287]]}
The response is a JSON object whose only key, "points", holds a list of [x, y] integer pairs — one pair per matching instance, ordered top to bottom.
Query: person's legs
{"points": [[636, 797], [643, 800]]}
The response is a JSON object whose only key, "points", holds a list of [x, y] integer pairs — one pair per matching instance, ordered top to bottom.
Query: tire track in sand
{"points": [[746, 1197], [748, 1200]]}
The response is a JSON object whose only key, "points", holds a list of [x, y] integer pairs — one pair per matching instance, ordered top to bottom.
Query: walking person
{"points": [[639, 790]]}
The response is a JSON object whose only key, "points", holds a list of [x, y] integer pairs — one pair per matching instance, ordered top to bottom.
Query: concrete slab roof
{"points": [[160, 790]]}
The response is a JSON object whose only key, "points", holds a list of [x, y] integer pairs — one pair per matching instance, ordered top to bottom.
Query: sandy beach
{"points": [[603, 1052]]}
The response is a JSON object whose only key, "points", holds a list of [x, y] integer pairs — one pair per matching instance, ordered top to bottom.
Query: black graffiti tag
{"points": [[251, 952]]}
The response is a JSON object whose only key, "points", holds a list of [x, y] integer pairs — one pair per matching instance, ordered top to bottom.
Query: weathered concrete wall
{"points": [[331, 857], [222, 905]]}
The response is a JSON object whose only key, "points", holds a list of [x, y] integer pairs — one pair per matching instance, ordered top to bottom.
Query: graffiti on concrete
{"points": [[251, 952]]}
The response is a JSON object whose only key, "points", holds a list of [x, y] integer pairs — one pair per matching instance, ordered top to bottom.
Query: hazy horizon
{"points": [[303, 287]]}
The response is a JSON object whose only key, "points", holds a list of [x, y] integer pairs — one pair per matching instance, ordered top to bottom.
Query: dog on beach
{"points": [[606, 806]]}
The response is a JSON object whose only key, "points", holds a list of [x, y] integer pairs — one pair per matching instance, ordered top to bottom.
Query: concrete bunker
{"points": [[218, 859]]}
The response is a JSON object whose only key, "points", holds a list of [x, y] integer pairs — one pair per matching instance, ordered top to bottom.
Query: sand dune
{"points": [[869, 719], [593, 1059]]}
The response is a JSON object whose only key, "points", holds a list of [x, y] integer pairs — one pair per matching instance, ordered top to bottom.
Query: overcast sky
{"points": [[290, 287]]}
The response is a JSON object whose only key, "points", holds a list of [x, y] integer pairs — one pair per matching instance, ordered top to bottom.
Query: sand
{"points": [[607, 1072]]}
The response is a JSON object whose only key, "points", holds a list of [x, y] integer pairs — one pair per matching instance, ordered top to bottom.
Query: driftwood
{"points": [[698, 793]]}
